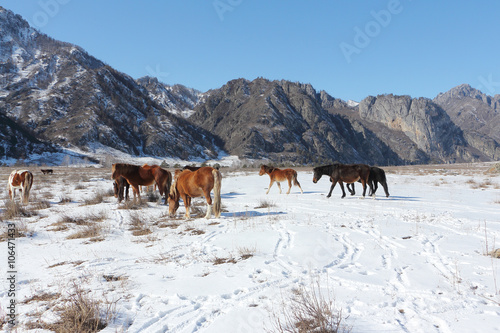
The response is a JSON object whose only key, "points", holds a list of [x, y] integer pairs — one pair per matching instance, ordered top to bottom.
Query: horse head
{"points": [[265, 169], [317, 175], [173, 200]]}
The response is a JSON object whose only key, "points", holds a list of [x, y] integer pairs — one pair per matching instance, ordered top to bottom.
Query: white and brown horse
{"points": [[21, 180]]}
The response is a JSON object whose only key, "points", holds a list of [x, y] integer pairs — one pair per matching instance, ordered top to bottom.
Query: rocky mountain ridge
{"points": [[55, 96]]}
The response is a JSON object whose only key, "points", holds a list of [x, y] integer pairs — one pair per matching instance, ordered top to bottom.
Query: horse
{"points": [[47, 171], [340, 173], [143, 175], [278, 175], [377, 175], [20, 180], [191, 184], [120, 185]]}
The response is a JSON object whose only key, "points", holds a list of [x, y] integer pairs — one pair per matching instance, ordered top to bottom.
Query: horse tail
{"points": [[294, 178], [28, 182], [217, 188]]}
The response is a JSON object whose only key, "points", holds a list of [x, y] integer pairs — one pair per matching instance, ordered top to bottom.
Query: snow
{"points": [[352, 103], [413, 262]]}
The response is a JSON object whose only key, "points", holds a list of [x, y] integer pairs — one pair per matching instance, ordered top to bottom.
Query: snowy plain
{"points": [[413, 262]]}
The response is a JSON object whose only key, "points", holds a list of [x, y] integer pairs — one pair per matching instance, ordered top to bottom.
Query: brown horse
{"points": [[340, 173], [145, 175], [278, 175], [21, 180], [191, 184], [121, 187]]}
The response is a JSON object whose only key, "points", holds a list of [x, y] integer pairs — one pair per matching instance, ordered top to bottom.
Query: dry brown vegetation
{"points": [[309, 310]]}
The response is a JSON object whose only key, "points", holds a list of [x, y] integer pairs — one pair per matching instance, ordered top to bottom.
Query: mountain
{"points": [[64, 96], [55, 97], [177, 99], [477, 115], [284, 121]]}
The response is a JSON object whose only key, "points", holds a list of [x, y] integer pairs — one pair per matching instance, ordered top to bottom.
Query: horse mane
{"points": [[267, 168]]}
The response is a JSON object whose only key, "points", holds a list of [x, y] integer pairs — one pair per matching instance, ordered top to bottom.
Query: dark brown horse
{"points": [[340, 173], [278, 175], [377, 175], [145, 176], [21, 180], [191, 184], [121, 187]]}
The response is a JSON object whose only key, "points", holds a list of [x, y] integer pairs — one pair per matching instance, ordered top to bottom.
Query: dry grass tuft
{"points": [[95, 200], [263, 203], [14, 209], [138, 227], [21, 230], [93, 231], [246, 252], [308, 310], [79, 313]]}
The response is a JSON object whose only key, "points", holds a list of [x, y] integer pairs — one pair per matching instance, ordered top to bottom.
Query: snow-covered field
{"points": [[413, 262]]}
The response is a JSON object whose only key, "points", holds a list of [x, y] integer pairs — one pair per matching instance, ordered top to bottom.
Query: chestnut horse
{"points": [[340, 173], [145, 175], [278, 175], [21, 180], [191, 184]]}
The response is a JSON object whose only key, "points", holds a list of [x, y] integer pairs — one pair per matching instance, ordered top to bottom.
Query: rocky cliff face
{"points": [[65, 96], [477, 115], [285, 121], [423, 122]]}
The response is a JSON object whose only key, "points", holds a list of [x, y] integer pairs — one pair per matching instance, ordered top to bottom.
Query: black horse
{"points": [[340, 173], [377, 175], [120, 185]]}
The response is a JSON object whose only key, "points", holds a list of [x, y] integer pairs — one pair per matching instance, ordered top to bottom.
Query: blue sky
{"points": [[350, 49]]}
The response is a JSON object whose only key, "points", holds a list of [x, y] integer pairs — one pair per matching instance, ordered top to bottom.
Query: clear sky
{"points": [[351, 49]]}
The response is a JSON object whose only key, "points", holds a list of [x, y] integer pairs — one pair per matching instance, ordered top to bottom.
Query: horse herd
{"points": [[191, 182]]}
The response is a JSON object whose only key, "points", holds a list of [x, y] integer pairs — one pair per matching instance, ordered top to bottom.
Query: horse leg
{"points": [[334, 182], [363, 182], [341, 183], [270, 184], [289, 185], [279, 186], [127, 187], [373, 187], [351, 188], [386, 190], [136, 192], [187, 204], [209, 204]]}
